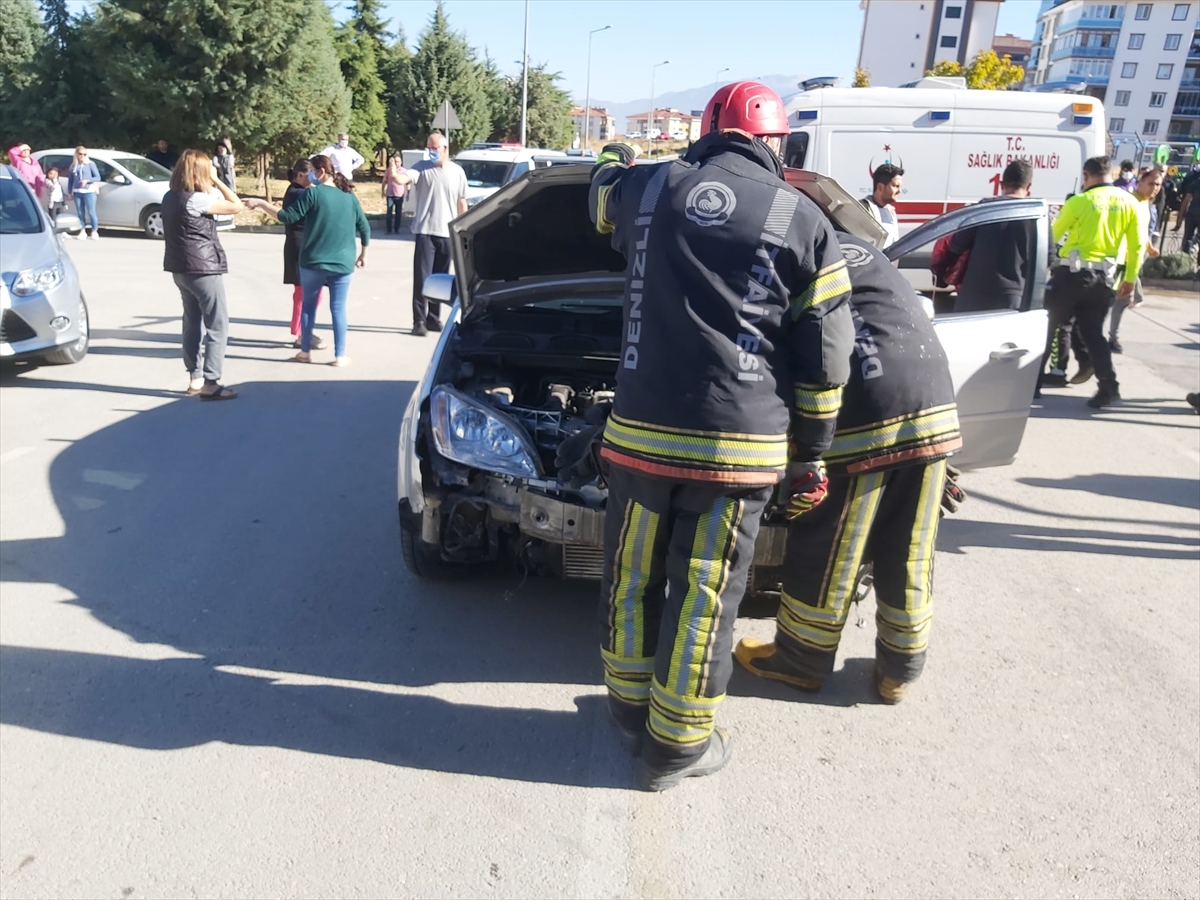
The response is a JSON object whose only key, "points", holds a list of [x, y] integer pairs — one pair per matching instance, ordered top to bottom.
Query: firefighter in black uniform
{"points": [[735, 304], [887, 473]]}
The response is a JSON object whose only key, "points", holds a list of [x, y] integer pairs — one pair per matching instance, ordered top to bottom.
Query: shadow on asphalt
{"points": [[1183, 492], [263, 534], [961, 534]]}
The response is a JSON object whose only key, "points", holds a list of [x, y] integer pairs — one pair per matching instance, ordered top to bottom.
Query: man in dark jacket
{"points": [[163, 154], [999, 252], [735, 318], [887, 470]]}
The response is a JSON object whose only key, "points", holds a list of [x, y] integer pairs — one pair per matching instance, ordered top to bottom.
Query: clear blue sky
{"points": [[699, 37]]}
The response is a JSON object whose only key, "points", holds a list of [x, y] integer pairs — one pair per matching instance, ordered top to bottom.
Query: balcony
{"points": [[1089, 24], [1083, 53], [1189, 84], [1186, 112], [1183, 138]]}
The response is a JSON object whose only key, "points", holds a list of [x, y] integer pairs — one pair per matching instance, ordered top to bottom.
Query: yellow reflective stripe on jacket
{"points": [[603, 225], [832, 281], [817, 402], [918, 427], [712, 448]]}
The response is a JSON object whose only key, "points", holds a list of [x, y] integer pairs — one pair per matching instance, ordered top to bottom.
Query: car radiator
{"points": [[582, 562]]}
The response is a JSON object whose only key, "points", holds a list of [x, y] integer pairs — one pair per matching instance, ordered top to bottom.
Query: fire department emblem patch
{"points": [[710, 203], [855, 256]]}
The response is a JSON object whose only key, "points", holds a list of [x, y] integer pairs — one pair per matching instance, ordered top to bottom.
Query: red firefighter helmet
{"points": [[747, 106]]}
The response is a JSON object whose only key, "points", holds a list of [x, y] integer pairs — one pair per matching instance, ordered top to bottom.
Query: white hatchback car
{"points": [[131, 191], [534, 340]]}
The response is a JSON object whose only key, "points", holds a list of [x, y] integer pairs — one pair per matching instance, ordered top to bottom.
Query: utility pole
{"points": [[653, 69], [525, 80], [587, 104]]}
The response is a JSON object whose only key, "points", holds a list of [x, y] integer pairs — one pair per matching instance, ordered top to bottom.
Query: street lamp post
{"points": [[653, 71], [525, 80], [717, 80], [587, 104]]}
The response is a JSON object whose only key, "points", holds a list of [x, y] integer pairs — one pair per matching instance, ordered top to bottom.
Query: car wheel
{"points": [[152, 223], [78, 348], [420, 558]]}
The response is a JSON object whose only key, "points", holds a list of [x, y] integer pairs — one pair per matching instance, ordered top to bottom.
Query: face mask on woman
{"points": [[313, 178]]}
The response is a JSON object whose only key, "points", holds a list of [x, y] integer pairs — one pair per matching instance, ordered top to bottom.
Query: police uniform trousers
{"points": [[1087, 296], [889, 518], [677, 554]]}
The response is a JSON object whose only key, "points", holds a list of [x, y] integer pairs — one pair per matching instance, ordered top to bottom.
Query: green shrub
{"points": [[1172, 265]]}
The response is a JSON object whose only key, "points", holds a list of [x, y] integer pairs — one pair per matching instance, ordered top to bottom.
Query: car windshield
{"points": [[145, 169], [484, 173], [18, 212]]}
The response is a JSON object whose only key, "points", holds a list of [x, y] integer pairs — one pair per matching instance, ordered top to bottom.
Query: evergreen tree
{"points": [[21, 40], [360, 48], [443, 68], [393, 69], [500, 100], [549, 124]]}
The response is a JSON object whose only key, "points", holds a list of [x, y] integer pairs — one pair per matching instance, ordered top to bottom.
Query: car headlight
{"points": [[472, 201], [38, 281], [470, 433]]}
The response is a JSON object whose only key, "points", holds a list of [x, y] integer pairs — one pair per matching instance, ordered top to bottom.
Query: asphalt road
{"points": [[217, 679]]}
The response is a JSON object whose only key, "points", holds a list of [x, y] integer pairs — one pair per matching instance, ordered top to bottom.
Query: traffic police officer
{"points": [[1095, 222], [735, 310], [887, 473]]}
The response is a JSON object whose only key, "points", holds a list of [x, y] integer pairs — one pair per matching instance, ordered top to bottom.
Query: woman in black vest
{"points": [[195, 257]]}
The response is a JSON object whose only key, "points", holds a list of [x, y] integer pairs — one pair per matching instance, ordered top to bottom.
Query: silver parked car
{"points": [[131, 191], [42, 310], [534, 340]]}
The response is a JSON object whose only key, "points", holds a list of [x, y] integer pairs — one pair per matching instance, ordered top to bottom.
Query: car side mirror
{"points": [[119, 179], [67, 223], [439, 288]]}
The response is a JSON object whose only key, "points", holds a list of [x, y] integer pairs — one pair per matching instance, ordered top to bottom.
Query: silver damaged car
{"points": [[534, 340]]}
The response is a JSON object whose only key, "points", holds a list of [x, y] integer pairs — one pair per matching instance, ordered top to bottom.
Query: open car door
{"points": [[994, 355]]}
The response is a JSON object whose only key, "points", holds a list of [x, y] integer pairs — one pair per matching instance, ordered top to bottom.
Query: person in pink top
{"points": [[30, 168], [394, 190]]}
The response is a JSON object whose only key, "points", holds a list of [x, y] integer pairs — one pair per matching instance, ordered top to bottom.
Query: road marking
{"points": [[15, 453], [125, 481]]}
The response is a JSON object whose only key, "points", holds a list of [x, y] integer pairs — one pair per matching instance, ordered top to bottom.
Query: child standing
{"points": [[394, 190], [52, 194], [293, 240]]}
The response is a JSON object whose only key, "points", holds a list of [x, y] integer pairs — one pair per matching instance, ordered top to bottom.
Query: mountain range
{"points": [[687, 100]]}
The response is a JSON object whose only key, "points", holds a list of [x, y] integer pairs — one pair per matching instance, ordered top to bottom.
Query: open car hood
{"points": [[534, 235]]}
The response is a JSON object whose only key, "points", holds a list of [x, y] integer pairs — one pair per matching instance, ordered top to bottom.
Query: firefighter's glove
{"points": [[622, 152], [578, 459], [806, 486], [952, 494]]}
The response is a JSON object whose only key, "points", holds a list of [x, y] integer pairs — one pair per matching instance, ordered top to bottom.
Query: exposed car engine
{"points": [[550, 407]]}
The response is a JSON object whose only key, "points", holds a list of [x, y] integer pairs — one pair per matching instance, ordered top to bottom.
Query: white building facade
{"points": [[901, 39], [1141, 58], [600, 125]]}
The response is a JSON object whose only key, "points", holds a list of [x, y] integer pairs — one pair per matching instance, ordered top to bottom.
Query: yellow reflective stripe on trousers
{"points": [[832, 281], [817, 402], [920, 427], [768, 452], [634, 557], [821, 627], [907, 630], [628, 678], [679, 711]]}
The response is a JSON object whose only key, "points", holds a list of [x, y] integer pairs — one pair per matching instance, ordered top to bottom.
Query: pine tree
{"points": [[21, 40], [360, 48], [443, 68], [393, 69], [500, 101], [549, 124]]}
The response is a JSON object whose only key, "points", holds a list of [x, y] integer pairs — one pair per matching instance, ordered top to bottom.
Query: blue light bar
{"points": [[806, 114], [940, 115], [1081, 120]]}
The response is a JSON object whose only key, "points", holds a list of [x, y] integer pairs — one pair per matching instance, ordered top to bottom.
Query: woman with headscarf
{"points": [[29, 168]]}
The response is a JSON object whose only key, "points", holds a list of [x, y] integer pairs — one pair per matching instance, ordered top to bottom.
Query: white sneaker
{"points": [[82, 236], [95, 236]]}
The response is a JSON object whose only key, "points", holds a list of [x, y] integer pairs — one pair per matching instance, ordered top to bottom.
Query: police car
{"points": [[534, 341]]}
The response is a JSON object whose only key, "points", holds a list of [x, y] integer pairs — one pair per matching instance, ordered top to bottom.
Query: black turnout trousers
{"points": [[1087, 296], [889, 518], [677, 555]]}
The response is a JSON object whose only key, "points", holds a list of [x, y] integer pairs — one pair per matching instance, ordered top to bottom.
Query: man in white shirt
{"points": [[345, 158], [887, 181], [439, 192]]}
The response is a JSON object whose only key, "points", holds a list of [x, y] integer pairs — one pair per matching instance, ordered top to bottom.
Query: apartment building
{"points": [[901, 39], [1142, 59], [668, 121], [600, 125]]}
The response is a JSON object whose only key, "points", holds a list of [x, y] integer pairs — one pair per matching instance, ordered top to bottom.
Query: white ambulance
{"points": [[952, 142]]}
